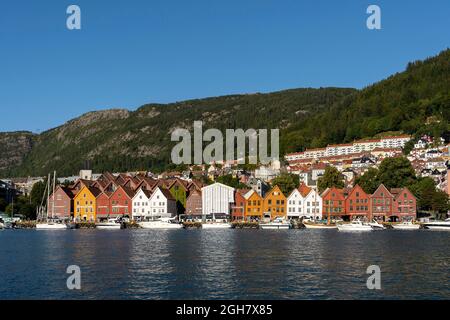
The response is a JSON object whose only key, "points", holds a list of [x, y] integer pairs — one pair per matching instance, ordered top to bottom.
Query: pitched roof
{"points": [[304, 190], [166, 193]]}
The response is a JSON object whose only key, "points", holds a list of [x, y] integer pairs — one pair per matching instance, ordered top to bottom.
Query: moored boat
{"points": [[44, 221], [162, 223], [112, 224], [277, 224], [216, 225], [318, 225], [376, 225], [407, 225], [438, 225], [354, 226]]}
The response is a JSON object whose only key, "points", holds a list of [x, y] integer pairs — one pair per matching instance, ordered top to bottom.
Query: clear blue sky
{"points": [[133, 52]]}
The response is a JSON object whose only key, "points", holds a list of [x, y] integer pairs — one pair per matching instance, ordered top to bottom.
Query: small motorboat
{"points": [[162, 223], [51, 224], [112, 224], [277, 224], [216, 225], [319, 225], [376, 225], [407, 225], [438, 225], [354, 226]]}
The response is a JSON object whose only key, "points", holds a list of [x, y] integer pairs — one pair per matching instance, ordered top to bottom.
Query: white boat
{"points": [[49, 223], [162, 223], [112, 224], [278, 224], [216, 225], [315, 225], [376, 225], [438, 225], [354, 226], [406, 226]]}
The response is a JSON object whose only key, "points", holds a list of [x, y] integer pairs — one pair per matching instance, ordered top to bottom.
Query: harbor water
{"points": [[224, 264]]}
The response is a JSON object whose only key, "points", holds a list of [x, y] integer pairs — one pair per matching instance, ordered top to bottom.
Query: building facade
{"points": [[217, 198]]}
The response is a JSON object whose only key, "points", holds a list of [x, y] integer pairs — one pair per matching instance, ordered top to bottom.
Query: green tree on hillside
{"points": [[396, 172], [331, 178], [369, 180], [286, 182]]}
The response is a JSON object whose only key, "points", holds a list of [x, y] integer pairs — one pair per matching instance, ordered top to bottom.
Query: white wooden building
{"points": [[217, 198], [162, 204], [141, 209]]}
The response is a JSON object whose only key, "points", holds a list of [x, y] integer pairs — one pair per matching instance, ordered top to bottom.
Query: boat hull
{"points": [[160, 225], [50, 226], [108, 226], [216, 226], [274, 226], [319, 226], [406, 227], [438, 227], [353, 228]]}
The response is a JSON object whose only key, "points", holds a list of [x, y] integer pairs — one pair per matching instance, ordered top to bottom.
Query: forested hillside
{"points": [[415, 101], [119, 140]]}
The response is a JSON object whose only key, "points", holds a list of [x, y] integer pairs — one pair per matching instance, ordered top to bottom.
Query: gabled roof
{"points": [[184, 184], [216, 184], [275, 188], [382, 188], [304, 189], [93, 190], [396, 192], [147, 193], [166, 193], [250, 193]]}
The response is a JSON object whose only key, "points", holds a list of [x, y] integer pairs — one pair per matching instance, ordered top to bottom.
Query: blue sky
{"points": [[129, 53]]}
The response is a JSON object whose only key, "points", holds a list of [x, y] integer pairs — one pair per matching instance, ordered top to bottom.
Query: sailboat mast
{"points": [[48, 191], [53, 194]]}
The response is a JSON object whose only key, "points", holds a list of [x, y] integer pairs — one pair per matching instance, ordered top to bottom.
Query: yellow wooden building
{"points": [[274, 203], [85, 204], [253, 205]]}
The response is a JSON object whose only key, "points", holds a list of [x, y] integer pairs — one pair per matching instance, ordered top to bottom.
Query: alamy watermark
{"points": [[374, 20], [73, 21], [235, 140], [74, 280], [374, 280]]}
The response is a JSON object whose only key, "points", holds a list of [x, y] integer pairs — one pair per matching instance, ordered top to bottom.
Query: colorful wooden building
{"points": [[333, 200], [60, 203], [357, 203], [381, 203], [85, 204], [274, 204], [253, 205]]}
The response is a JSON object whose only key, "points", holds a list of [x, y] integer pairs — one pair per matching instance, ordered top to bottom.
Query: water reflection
{"points": [[224, 264]]}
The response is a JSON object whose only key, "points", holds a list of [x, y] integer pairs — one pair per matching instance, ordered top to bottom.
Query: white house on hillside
{"points": [[216, 198], [304, 202], [162, 204], [141, 209]]}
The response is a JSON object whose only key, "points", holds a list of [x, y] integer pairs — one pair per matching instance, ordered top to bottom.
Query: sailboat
{"points": [[49, 223]]}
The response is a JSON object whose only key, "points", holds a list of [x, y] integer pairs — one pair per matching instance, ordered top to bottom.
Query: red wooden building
{"points": [[333, 200], [121, 202], [60, 203], [194, 203], [357, 203], [381, 203], [104, 206], [404, 206], [238, 207]]}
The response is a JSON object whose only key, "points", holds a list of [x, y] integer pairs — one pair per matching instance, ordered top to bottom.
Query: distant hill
{"points": [[415, 101], [119, 140]]}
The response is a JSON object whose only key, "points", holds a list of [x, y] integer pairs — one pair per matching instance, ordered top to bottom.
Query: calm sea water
{"points": [[224, 264]]}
